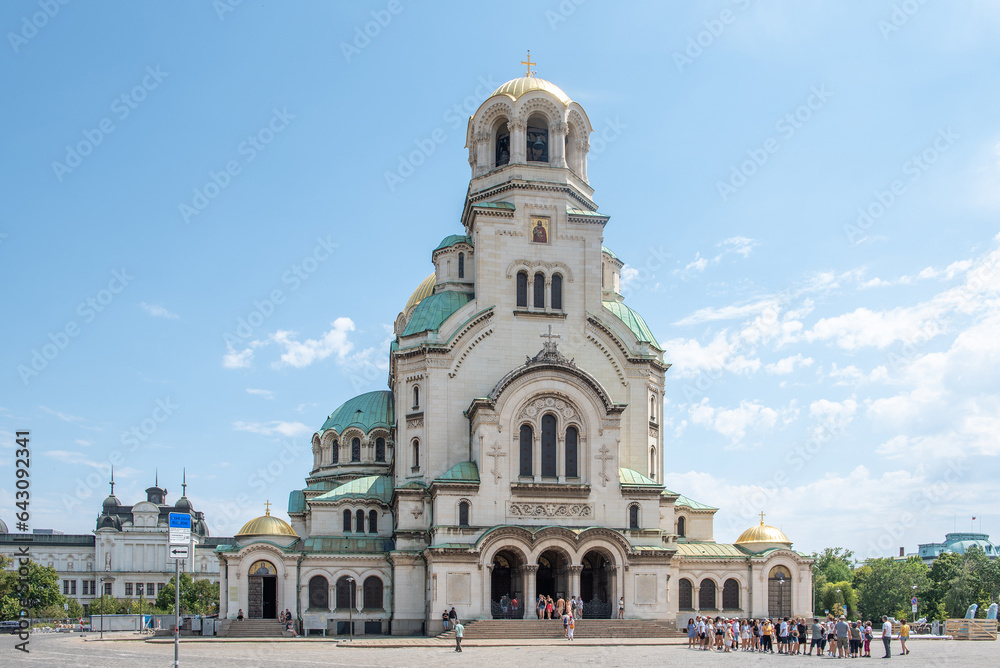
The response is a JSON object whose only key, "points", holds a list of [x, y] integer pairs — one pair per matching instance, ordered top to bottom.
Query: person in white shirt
{"points": [[887, 637]]}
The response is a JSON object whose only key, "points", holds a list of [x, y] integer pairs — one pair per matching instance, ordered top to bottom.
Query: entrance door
{"points": [[779, 592], [255, 597], [270, 597]]}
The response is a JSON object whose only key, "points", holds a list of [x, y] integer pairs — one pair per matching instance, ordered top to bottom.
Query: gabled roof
{"points": [[432, 311], [633, 321], [365, 411], [467, 472], [631, 478], [373, 487], [709, 550]]}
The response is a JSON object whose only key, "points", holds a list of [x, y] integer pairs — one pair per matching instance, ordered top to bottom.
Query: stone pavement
{"points": [[60, 650]]}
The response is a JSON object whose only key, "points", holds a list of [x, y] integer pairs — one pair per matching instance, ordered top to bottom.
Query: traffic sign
{"points": [[179, 529], [178, 552], [913, 601]]}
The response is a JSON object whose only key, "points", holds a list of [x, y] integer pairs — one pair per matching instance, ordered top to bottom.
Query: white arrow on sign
{"points": [[178, 552]]}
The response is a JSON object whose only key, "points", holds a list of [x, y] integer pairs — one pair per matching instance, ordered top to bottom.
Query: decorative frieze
{"points": [[543, 509]]}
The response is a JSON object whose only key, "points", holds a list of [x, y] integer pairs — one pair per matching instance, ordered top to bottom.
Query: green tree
{"points": [[834, 564], [885, 586], [41, 587], [833, 596], [199, 597]]}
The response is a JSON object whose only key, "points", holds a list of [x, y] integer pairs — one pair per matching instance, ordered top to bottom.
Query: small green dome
{"points": [[452, 240], [609, 252], [431, 312], [633, 321], [365, 411], [374, 487]]}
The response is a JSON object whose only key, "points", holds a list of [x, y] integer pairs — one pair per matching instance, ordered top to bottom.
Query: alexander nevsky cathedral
{"points": [[519, 448]]}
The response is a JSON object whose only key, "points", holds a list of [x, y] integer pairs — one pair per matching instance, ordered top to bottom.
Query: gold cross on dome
{"points": [[527, 63], [267, 506], [762, 517]]}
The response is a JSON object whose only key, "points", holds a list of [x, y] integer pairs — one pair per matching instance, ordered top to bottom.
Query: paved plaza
{"points": [[64, 650]]}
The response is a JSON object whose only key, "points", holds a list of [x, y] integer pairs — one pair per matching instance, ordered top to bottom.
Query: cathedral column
{"points": [[518, 141], [557, 144], [482, 145], [583, 147], [574, 579], [530, 588], [488, 591], [696, 598]]}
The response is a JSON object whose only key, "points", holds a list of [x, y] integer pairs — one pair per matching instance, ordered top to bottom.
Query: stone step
{"points": [[591, 628]]}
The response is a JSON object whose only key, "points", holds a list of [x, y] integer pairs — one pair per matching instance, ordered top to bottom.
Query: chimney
{"points": [[901, 552]]}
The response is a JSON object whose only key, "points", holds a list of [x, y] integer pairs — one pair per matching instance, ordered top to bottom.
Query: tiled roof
{"points": [[453, 239], [432, 311], [632, 320], [365, 411], [630, 478], [376, 487], [692, 504], [347, 544], [709, 550]]}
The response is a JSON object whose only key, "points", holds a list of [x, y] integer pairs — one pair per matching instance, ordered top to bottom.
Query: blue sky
{"points": [[805, 195]]}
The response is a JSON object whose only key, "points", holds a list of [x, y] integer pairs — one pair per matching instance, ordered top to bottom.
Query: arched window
{"points": [[538, 139], [502, 153], [461, 265], [539, 288], [522, 289], [556, 292], [416, 396], [652, 408], [526, 439], [549, 445], [355, 449], [380, 449], [335, 452], [416, 454], [652, 463], [572, 470], [463, 514], [633, 517], [347, 521], [372, 521], [359, 522], [681, 527], [319, 593], [345, 593], [373, 593], [731, 595], [706, 597], [685, 600]]}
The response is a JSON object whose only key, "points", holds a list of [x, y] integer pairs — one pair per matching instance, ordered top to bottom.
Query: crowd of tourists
{"points": [[832, 637]]}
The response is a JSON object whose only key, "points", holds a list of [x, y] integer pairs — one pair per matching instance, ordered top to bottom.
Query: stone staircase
{"points": [[252, 628], [552, 629]]}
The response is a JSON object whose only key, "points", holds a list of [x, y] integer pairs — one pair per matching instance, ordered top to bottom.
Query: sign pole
{"points": [[177, 611]]}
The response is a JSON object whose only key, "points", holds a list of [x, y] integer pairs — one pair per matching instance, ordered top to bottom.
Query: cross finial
{"points": [[527, 63], [550, 335], [112, 481], [184, 482], [267, 506], [762, 518]]}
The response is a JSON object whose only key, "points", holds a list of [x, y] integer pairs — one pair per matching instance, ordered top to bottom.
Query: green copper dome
{"points": [[453, 239], [432, 311], [633, 321], [365, 411], [376, 487]]}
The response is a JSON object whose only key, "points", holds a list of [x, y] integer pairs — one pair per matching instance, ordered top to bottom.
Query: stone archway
{"points": [[552, 577], [507, 585], [597, 585], [779, 592], [262, 593]]}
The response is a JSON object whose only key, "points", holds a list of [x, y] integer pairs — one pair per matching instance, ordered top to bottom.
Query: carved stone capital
{"points": [[530, 569]]}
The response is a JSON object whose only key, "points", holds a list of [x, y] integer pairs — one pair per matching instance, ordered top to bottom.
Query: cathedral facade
{"points": [[519, 448]]}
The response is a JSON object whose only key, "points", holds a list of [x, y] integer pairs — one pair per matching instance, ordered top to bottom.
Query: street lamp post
{"points": [[842, 606], [350, 610]]}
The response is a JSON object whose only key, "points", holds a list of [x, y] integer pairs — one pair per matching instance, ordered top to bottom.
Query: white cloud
{"points": [[740, 245], [628, 276], [158, 311], [301, 354], [690, 358], [234, 359], [787, 365], [852, 375], [267, 394], [65, 417], [734, 423], [287, 429], [85, 443]]}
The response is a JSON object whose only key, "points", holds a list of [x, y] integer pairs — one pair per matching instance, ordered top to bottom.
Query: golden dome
{"points": [[515, 88], [424, 290], [267, 526], [762, 534]]}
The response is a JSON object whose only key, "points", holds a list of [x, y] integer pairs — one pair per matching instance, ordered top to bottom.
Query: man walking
{"points": [[843, 631], [459, 634], [887, 637], [817, 638]]}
